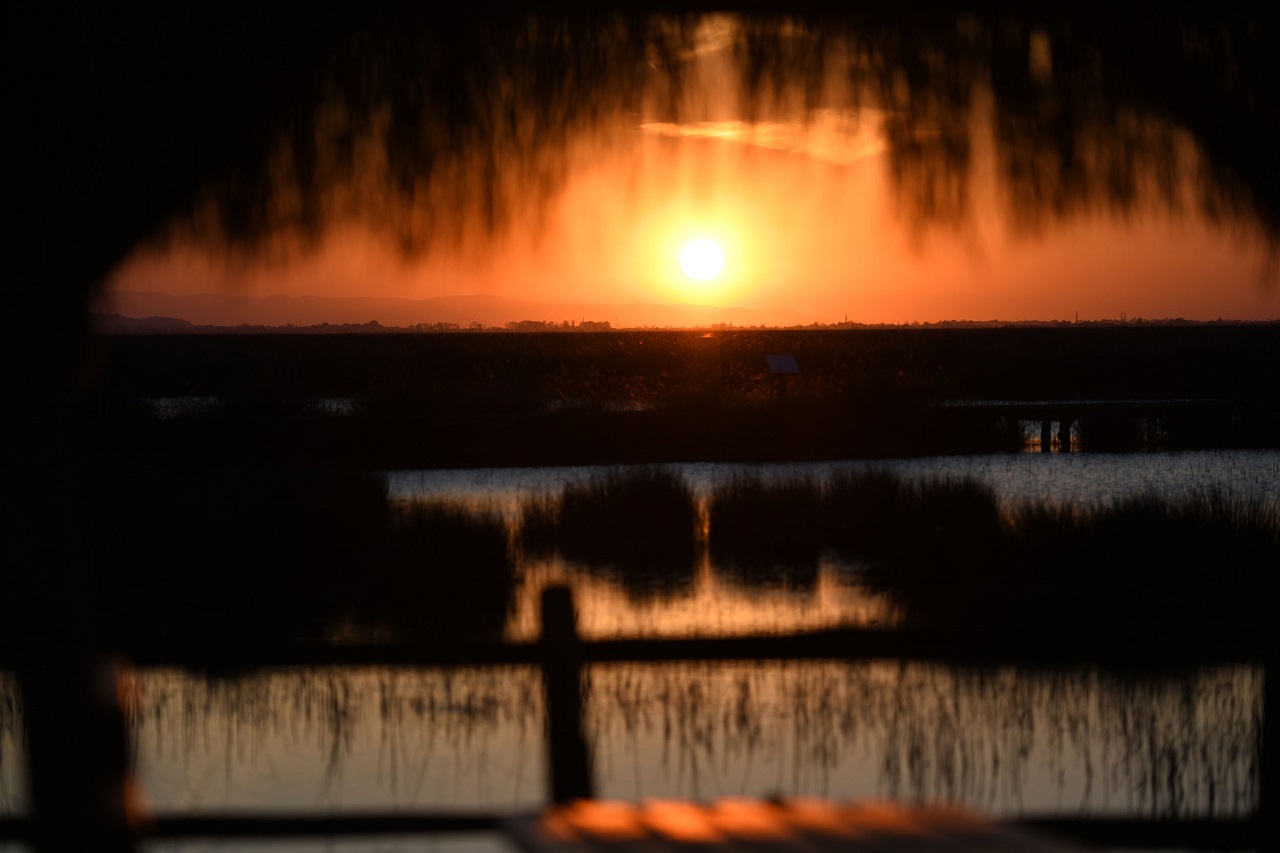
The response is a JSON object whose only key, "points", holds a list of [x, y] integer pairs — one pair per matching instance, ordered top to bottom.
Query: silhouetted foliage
{"points": [[414, 113], [419, 122], [213, 554], [225, 554]]}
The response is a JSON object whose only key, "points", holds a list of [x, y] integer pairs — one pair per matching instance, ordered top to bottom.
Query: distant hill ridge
{"points": [[219, 309]]}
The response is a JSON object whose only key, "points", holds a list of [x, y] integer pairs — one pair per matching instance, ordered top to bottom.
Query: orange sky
{"points": [[807, 223]]}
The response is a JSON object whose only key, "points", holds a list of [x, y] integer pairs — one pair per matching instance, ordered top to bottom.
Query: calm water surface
{"points": [[1080, 478], [712, 602], [1003, 741]]}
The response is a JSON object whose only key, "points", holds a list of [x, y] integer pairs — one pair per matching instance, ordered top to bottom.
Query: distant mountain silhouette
{"points": [[217, 309], [114, 324]]}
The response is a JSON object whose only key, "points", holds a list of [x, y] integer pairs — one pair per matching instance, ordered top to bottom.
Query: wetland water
{"points": [[711, 601], [1005, 741]]}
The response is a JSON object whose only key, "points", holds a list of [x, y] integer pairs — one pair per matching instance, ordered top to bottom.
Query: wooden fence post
{"points": [[568, 760], [1269, 761]]}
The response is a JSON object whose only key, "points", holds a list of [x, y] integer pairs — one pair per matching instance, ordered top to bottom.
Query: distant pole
{"points": [[1064, 432], [568, 760]]}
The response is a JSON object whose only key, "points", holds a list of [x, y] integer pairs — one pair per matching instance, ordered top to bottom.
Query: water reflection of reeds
{"points": [[340, 738], [1000, 740]]}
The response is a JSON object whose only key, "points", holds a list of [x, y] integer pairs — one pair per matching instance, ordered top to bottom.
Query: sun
{"points": [[702, 259]]}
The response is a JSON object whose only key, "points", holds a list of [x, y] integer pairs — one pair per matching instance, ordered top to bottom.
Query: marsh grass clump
{"points": [[862, 509], [876, 517], [539, 522], [641, 522], [779, 530], [768, 532], [921, 542], [1201, 566], [1146, 572]]}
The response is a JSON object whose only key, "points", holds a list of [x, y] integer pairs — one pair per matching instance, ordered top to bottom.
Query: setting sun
{"points": [[702, 259]]}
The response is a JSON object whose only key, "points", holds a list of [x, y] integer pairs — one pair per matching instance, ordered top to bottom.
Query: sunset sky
{"points": [[807, 219]]}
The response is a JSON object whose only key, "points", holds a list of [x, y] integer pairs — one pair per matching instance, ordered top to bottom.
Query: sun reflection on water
{"points": [[710, 605]]}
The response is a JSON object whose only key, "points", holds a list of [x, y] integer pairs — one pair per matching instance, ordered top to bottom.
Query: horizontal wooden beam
{"points": [[959, 648], [298, 824], [1241, 833], [1194, 834]]}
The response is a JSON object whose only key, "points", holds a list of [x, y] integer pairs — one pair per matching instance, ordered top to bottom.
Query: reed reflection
{"points": [[640, 550], [934, 553], [334, 739], [1003, 741]]}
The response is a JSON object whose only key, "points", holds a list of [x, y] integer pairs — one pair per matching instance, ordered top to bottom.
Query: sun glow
{"points": [[702, 259]]}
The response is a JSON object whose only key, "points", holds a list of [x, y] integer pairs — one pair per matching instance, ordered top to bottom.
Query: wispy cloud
{"points": [[827, 136]]}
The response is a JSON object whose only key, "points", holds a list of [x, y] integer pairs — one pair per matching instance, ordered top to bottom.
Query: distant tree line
{"points": [[114, 324], [562, 326]]}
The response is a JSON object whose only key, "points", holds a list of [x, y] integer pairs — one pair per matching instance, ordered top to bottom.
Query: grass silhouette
{"points": [[639, 525], [768, 532], [1199, 570], [1148, 571]]}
